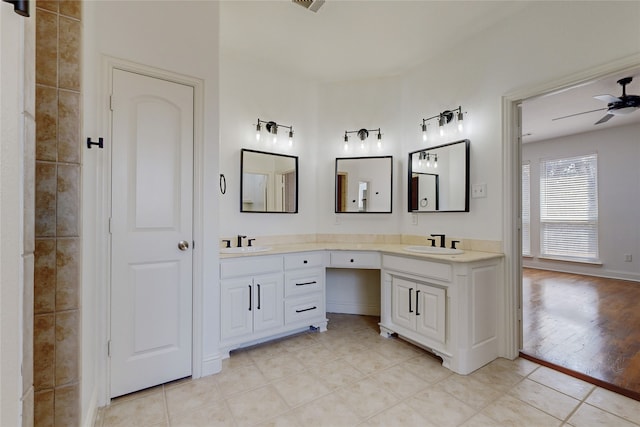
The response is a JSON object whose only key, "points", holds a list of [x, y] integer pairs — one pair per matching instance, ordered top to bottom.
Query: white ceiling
{"points": [[361, 39]]}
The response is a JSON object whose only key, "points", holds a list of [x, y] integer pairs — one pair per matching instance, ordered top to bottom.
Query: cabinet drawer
{"points": [[350, 259], [304, 260], [250, 266], [424, 268], [303, 281], [303, 308]]}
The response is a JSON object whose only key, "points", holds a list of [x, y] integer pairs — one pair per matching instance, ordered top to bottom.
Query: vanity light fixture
{"points": [[444, 119], [272, 128], [362, 135], [423, 155]]}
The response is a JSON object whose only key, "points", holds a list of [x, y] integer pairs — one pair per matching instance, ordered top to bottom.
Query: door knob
{"points": [[183, 245]]}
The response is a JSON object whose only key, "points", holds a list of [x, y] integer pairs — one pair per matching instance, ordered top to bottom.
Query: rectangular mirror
{"points": [[439, 178], [268, 182], [363, 184]]}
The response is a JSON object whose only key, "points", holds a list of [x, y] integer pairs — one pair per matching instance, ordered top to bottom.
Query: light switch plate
{"points": [[479, 190]]}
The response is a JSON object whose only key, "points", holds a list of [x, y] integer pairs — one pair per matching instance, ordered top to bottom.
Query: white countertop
{"points": [[385, 248]]}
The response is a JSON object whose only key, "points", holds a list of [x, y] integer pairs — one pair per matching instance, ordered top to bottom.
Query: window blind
{"points": [[569, 208], [526, 209]]}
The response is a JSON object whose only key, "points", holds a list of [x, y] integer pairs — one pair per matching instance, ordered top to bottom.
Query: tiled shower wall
{"points": [[56, 372]]}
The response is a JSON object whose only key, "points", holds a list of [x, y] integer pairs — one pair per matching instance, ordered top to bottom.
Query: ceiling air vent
{"points": [[312, 5]]}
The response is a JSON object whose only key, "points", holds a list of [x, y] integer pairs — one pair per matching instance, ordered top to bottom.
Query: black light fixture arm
{"points": [[21, 7], [444, 117], [272, 127], [362, 133]]}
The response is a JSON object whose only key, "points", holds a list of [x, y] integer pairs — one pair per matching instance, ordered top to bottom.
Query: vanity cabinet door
{"points": [[403, 303], [268, 309], [430, 312], [236, 315]]}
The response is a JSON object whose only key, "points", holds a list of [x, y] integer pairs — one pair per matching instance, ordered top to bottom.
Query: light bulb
{"points": [[460, 120], [460, 126], [258, 129], [441, 130], [424, 132], [258, 136], [275, 138], [290, 138], [379, 144], [362, 145], [346, 146], [419, 162], [435, 164]]}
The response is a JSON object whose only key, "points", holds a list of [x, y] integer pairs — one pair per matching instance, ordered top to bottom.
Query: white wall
{"points": [[179, 37], [543, 42], [249, 91], [618, 151]]}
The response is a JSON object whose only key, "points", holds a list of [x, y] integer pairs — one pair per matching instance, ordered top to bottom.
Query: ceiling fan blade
{"points": [[609, 99], [578, 114], [604, 119]]}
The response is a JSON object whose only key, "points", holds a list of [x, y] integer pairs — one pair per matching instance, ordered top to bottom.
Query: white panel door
{"points": [[152, 203], [403, 302], [268, 309], [430, 312]]}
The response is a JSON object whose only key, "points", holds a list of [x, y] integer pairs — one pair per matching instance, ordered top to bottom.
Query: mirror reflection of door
{"points": [[363, 189], [254, 191], [341, 191], [428, 192], [289, 204]]}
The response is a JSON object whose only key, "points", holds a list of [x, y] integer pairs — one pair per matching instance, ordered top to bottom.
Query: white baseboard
{"points": [[211, 365], [91, 411]]}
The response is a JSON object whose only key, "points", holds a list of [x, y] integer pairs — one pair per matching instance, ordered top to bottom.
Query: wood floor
{"points": [[589, 325]]}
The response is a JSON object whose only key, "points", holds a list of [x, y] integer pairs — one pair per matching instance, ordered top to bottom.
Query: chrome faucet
{"points": [[441, 236], [240, 237]]}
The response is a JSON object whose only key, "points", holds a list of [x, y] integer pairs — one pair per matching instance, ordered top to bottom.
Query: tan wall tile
{"points": [[51, 5], [71, 8], [46, 48], [69, 55], [46, 123], [68, 126], [29, 177], [46, 184], [68, 201], [67, 274], [45, 276], [27, 321], [67, 347], [43, 351], [67, 406], [43, 408]]}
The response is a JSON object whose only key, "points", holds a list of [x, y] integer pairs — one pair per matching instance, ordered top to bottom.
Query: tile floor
{"points": [[351, 376]]}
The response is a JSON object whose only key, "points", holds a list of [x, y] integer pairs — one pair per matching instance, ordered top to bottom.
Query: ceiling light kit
{"points": [[444, 118], [272, 128], [362, 135]]}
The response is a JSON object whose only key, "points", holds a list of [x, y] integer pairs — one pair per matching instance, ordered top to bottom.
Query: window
{"points": [[569, 208], [526, 210]]}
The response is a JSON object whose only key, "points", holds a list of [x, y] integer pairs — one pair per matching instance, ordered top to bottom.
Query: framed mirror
{"points": [[439, 178], [268, 182], [364, 184]]}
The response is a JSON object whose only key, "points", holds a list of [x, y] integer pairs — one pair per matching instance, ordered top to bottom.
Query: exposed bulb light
{"points": [[460, 120], [258, 129], [441, 130], [424, 132], [363, 134], [290, 137], [379, 140], [346, 142], [435, 160], [428, 161]]}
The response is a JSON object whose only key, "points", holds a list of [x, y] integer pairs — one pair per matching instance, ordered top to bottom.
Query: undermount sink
{"points": [[245, 250], [433, 250]]}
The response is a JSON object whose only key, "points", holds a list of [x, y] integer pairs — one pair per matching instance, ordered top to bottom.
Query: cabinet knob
{"points": [[352, 260], [304, 262]]}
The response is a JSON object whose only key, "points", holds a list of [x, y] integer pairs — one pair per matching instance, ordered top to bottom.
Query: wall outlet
{"points": [[479, 190], [627, 257]]}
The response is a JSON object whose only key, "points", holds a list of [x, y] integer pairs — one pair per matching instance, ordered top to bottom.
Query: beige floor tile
{"points": [[300, 341], [396, 350], [315, 355], [237, 359], [369, 362], [519, 365], [279, 366], [427, 368], [337, 373], [498, 376], [236, 380], [400, 381], [563, 383], [300, 388], [469, 390], [190, 395], [366, 397], [544, 398], [617, 404], [256, 406], [440, 408], [144, 411], [329, 411], [509, 411], [216, 414], [400, 415], [590, 416], [288, 419], [479, 420]]}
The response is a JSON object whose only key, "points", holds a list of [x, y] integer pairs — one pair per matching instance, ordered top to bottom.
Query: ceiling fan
{"points": [[625, 104]]}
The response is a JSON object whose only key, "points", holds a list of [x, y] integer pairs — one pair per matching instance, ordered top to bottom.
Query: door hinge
{"points": [[111, 102], [109, 225], [193, 245], [519, 314], [109, 348]]}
